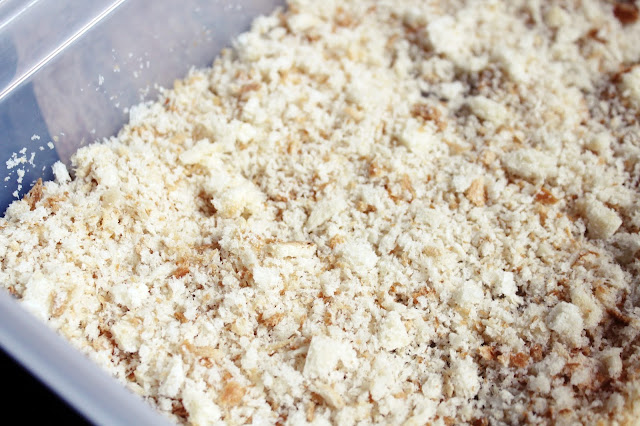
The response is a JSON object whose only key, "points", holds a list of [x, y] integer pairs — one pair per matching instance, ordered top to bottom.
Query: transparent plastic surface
{"points": [[69, 71]]}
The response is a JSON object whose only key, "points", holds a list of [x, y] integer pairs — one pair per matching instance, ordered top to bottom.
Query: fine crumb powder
{"points": [[366, 212]]}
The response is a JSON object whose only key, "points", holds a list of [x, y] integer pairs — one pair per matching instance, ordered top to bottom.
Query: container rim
{"points": [[16, 13], [74, 376]]}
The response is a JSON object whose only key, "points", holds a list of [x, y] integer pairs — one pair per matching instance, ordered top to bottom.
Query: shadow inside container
{"points": [[25, 142]]}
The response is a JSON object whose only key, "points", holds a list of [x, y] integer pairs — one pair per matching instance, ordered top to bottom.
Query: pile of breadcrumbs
{"points": [[366, 212]]}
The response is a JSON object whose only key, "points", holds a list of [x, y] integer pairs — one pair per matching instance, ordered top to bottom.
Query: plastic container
{"points": [[69, 70]]}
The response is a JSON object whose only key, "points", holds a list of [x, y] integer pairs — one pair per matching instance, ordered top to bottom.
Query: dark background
{"points": [[34, 401]]}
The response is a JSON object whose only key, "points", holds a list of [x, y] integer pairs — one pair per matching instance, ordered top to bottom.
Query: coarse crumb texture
{"points": [[371, 212]]}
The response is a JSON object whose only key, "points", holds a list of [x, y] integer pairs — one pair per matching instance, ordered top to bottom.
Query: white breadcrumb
{"points": [[631, 83], [60, 172], [366, 212], [602, 221], [566, 320]]}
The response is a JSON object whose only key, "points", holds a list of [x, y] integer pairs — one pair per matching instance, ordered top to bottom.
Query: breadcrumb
{"points": [[366, 212]]}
